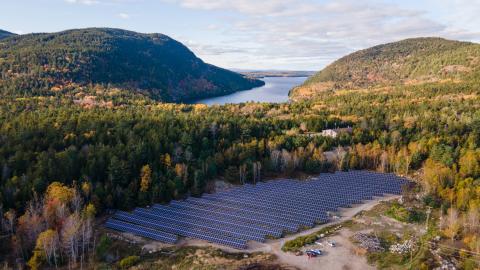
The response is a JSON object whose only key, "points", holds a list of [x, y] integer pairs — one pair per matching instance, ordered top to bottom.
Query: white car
{"points": [[331, 243]]}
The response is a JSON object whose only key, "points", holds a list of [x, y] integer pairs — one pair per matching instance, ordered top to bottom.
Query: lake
{"points": [[275, 90]]}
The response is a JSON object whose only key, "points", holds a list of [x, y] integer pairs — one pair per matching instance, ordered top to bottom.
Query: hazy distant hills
{"points": [[5, 34], [410, 61], [155, 64], [275, 73]]}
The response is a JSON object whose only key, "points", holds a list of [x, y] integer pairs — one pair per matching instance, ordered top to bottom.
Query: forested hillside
{"points": [[5, 34], [407, 62], [155, 64], [68, 156]]}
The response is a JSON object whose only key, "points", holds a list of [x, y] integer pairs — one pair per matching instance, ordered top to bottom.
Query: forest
{"points": [[154, 64], [71, 155], [126, 156]]}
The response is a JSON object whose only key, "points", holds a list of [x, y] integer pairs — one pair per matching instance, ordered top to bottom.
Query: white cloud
{"points": [[84, 2], [101, 2], [244, 6], [460, 15], [124, 16], [213, 27], [310, 34]]}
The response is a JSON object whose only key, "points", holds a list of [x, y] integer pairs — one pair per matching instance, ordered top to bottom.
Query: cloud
{"points": [[84, 2], [100, 2], [244, 6], [124, 16], [213, 27], [313, 33], [215, 50]]}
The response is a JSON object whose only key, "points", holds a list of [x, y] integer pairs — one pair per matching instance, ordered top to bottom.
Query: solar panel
{"points": [[253, 212], [141, 231]]}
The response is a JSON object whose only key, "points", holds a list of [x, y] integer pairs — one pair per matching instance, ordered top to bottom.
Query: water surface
{"points": [[275, 90]]}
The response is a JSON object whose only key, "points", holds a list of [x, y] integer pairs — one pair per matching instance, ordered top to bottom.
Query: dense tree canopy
{"points": [[49, 63], [97, 147]]}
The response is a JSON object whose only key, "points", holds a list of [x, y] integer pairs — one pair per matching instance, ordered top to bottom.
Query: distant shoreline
{"points": [[286, 74], [280, 76]]}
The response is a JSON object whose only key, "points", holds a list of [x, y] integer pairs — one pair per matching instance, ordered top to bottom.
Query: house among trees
{"points": [[333, 133]]}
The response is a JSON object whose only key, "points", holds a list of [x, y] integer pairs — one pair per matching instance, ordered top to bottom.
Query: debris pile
{"points": [[367, 241], [403, 248], [446, 265]]}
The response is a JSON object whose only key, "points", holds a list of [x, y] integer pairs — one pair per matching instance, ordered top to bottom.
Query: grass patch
{"points": [[402, 214], [109, 250], [385, 259], [129, 261]]}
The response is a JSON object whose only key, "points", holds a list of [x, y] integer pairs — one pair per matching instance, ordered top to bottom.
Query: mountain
{"points": [[5, 34], [410, 61], [154, 64]]}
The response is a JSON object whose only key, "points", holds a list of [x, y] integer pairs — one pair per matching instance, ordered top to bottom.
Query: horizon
{"points": [[281, 35]]}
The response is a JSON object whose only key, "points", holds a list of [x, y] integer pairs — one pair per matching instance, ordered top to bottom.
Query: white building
{"points": [[333, 133]]}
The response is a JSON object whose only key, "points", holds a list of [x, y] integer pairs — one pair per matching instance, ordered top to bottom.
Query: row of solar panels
{"points": [[255, 212]]}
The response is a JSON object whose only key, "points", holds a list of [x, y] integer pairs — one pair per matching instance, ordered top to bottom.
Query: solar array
{"points": [[255, 212]]}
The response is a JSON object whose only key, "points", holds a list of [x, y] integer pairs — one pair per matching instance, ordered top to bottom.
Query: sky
{"points": [[257, 34]]}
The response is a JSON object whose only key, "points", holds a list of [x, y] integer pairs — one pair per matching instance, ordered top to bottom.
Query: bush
{"points": [[432, 201], [398, 212], [403, 214], [417, 216], [387, 239], [299, 242], [103, 246], [129, 261], [470, 264]]}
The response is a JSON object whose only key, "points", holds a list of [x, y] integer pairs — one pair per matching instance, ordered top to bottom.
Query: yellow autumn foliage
{"points": [[60, 192]]}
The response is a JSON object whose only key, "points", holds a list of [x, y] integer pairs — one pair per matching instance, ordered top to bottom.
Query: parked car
{"points": [[331, 243], [317, 252], [310, 254]]}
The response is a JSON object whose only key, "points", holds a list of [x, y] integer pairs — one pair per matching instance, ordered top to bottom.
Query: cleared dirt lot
{"points": [[338, 257]]}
